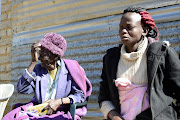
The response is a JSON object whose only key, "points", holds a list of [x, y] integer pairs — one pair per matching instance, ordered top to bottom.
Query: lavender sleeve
{"points": [[26, 83], [76, 93]]}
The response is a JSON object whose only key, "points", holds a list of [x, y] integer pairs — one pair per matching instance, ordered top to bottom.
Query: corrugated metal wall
{"points": [[90, 28]]}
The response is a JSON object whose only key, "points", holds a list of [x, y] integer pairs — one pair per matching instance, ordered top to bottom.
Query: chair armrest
{"points": [[3, 99], [73, 108]]}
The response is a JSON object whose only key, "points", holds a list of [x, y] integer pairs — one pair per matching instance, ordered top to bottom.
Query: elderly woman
{"points": [[55, 81]]}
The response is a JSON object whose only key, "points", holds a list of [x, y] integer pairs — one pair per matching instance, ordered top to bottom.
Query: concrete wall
{"points": [[90, 28]]}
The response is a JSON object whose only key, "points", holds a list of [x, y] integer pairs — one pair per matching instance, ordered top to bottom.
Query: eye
{"points": [[130, 27]]}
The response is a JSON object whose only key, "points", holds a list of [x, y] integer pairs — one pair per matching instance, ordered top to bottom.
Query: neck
{"points": [[134, 47], [130, 49]]}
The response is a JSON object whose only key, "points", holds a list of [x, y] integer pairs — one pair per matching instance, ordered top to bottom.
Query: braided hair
{"points": [[147, 21]]}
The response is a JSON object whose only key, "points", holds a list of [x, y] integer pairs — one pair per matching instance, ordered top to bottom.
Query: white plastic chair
{"points": [[6, 90]]}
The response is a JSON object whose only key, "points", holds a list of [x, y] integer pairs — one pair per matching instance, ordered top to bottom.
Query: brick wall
{"points": [[5, 44]]}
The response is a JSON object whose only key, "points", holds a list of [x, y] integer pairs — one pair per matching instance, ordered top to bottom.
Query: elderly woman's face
{"points": [[48, 59]]}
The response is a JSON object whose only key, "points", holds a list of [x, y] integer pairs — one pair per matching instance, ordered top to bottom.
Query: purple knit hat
{"points": [[55, 43]]}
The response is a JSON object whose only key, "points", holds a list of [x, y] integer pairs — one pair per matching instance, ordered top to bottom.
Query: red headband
{"points": [[147, 19]]}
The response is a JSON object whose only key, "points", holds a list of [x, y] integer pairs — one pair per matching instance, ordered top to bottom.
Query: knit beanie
{"points": [[55, 43]]}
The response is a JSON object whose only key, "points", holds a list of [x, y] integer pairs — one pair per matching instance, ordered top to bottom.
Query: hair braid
{"points": [[146, 20]]}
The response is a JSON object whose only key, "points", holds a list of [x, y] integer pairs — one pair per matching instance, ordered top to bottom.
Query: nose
{"points": [[124, 30]]}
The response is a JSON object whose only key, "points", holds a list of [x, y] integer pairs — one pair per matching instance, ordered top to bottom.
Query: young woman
{"points": [[140, 77], [55, 81]]}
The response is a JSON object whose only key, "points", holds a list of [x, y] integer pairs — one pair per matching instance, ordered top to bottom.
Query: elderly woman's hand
{"points": [[34, 48], [34, 55], [52, 106]]}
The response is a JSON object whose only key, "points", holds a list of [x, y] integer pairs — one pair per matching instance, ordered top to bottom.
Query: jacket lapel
{"points": [[154, 54], [113, 63], [62, 81], [44, 85]]}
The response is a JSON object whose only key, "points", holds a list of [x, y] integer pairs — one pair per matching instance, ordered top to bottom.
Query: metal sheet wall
{"points": [[90, 28]]}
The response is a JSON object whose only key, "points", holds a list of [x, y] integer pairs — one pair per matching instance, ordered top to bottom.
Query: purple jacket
{"points": [[72, 82], [67, 86]]}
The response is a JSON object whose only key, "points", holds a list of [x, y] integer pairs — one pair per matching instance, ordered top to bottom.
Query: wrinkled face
{"points": [[130, 28], [48, 59]]}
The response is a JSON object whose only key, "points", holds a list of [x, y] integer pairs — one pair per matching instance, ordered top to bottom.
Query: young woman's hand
{"points": [[34, 48], [52, 106], [113, 115], [116, 118]]}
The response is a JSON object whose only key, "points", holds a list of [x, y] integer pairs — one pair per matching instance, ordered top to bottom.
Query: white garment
{"points": [[133, 66], [52, 85]]}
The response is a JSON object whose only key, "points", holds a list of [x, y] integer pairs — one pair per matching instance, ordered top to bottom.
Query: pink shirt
{"points": [[133, 98]]}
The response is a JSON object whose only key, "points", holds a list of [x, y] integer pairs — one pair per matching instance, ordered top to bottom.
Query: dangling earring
{"points": [[142, 38]]}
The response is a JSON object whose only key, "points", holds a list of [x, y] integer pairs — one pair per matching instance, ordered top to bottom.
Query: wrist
{"points": [[33, 62], [31, 66], [62, 101], [65, 101], [113, 114], [109, 115]]}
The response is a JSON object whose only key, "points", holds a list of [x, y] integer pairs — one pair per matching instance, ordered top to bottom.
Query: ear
{"points": [[145, 31]]}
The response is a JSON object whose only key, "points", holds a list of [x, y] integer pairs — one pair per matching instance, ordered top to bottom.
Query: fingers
{"points": [[35, 47], [51, 107], [45, 108], [50, 110]]}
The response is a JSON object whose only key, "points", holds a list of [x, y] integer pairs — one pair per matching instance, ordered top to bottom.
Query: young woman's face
{"points": [[130, 29], [48, 59]]}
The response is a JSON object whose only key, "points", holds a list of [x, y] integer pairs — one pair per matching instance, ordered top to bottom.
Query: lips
{"points": [[124, 38]]}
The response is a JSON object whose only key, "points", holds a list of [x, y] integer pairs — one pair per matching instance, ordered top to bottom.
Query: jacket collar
{"points": [[154, 56], [114, 58], [63, 67], [45, 78]]}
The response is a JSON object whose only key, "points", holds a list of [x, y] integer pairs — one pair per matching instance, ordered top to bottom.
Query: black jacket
{"points": [[163, 67]]}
